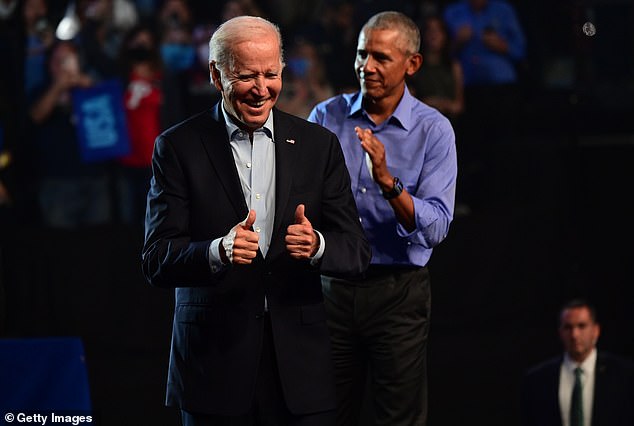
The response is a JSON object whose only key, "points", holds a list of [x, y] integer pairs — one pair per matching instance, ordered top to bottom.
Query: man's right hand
{"points": [[376, 150], [245, 243]]}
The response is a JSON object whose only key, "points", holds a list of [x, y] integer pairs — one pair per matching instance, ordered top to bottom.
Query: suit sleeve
{"points": [[347, 252], [170, 257]]}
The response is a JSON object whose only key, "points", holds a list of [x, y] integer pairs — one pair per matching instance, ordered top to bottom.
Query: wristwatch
{"points": [[396, 190]]}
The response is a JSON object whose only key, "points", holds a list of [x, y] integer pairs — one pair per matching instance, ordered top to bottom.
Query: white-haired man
{"points": [[247, 206]]}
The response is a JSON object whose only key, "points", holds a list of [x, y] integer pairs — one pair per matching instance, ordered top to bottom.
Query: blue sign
{"points": [[101, 124]]}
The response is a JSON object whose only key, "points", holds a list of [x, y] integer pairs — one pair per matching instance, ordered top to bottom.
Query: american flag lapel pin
{"points": [[291, 141]]}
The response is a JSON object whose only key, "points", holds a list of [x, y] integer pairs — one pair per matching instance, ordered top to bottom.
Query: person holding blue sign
{"points": [[70, 191]]}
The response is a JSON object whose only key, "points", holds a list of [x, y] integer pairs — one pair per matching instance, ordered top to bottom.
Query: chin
{"points": [[371, 93], [257, 120]]}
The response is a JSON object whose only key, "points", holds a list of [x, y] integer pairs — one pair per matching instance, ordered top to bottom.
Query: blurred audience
{"points": [[234, 8], [146, 9], [175, 23], [102, 26], [334, 33], [39, 34], [487, 38], [178, 55], [305, 80], [175, 81], [439, 82], [11, 95], [143, 97], [70, 192]]}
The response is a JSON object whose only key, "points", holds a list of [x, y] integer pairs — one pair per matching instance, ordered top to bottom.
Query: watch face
{"points": [[398, 185], [395, 191]]}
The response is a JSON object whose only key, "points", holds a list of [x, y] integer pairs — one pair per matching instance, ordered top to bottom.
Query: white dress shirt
{"points": [[255, 162], [567, 382]]}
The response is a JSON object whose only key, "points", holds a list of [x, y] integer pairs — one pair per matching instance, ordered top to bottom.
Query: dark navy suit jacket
{"points": [[195, 197], [613, 403]]}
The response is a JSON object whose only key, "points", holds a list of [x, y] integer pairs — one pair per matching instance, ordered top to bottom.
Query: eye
{"points": [[362, 54], [381, 58]]}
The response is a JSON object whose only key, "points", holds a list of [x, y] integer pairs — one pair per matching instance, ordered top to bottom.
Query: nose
{"points": [[369, 62], [367, 65], [259, 85]]}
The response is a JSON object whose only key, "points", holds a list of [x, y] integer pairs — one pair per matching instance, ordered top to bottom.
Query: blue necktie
{"points": [[576, 403]]}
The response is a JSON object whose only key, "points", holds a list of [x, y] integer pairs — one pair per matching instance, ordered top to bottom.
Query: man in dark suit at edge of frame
{"points": [[606, 381]]}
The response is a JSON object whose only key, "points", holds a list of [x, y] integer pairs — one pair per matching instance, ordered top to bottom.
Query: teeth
{"points": [[257, 104]]}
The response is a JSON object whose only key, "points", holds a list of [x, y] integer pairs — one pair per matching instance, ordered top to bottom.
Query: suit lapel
{"points": [[216, 143], [286, 150], [602, 388]]}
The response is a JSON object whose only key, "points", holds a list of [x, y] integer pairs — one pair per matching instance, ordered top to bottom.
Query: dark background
{"points": [[559, 225]]}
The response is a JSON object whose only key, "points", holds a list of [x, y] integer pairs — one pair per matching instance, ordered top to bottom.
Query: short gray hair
{"points": [[391, 20], [235, 30]]}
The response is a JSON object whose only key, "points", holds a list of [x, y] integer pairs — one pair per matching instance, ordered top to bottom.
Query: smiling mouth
{"points": [[256, 104]]}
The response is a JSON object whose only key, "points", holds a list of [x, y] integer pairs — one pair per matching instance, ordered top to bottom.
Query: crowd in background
{"points": [[158, 51]]}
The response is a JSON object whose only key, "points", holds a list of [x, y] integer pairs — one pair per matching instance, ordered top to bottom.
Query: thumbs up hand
{"points": [[301, 240], [241, 243]]}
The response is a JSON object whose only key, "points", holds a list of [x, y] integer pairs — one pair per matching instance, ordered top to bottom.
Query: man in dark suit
{"points": [[247, 206], [584, 387]]}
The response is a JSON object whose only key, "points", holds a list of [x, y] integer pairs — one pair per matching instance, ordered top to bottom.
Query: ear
{"points": [[413, 63], [215, 76]]}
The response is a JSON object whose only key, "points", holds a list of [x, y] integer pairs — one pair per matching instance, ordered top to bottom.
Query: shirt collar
{"points": [[356, 105], [402, 114], [232, 128], [587, 365]]}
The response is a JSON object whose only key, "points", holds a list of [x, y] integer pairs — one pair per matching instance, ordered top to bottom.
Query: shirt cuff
{"points": [[320, 251], [215, 262]]}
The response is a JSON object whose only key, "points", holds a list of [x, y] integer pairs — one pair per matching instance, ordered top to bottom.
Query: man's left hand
{"points": [[301, 240]]}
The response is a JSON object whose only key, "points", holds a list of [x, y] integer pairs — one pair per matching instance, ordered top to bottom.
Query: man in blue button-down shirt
{"points": [[401, 157]]}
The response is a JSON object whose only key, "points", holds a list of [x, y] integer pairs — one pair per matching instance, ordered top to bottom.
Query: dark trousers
{"points": [[379, 328], [269, 408]]}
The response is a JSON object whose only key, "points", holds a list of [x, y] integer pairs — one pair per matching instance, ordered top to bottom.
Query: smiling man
{"points": [[401, 156], [247, 206], [585, 387]]}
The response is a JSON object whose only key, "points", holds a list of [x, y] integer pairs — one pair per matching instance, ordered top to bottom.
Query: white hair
{"points": [[236, 30]]}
